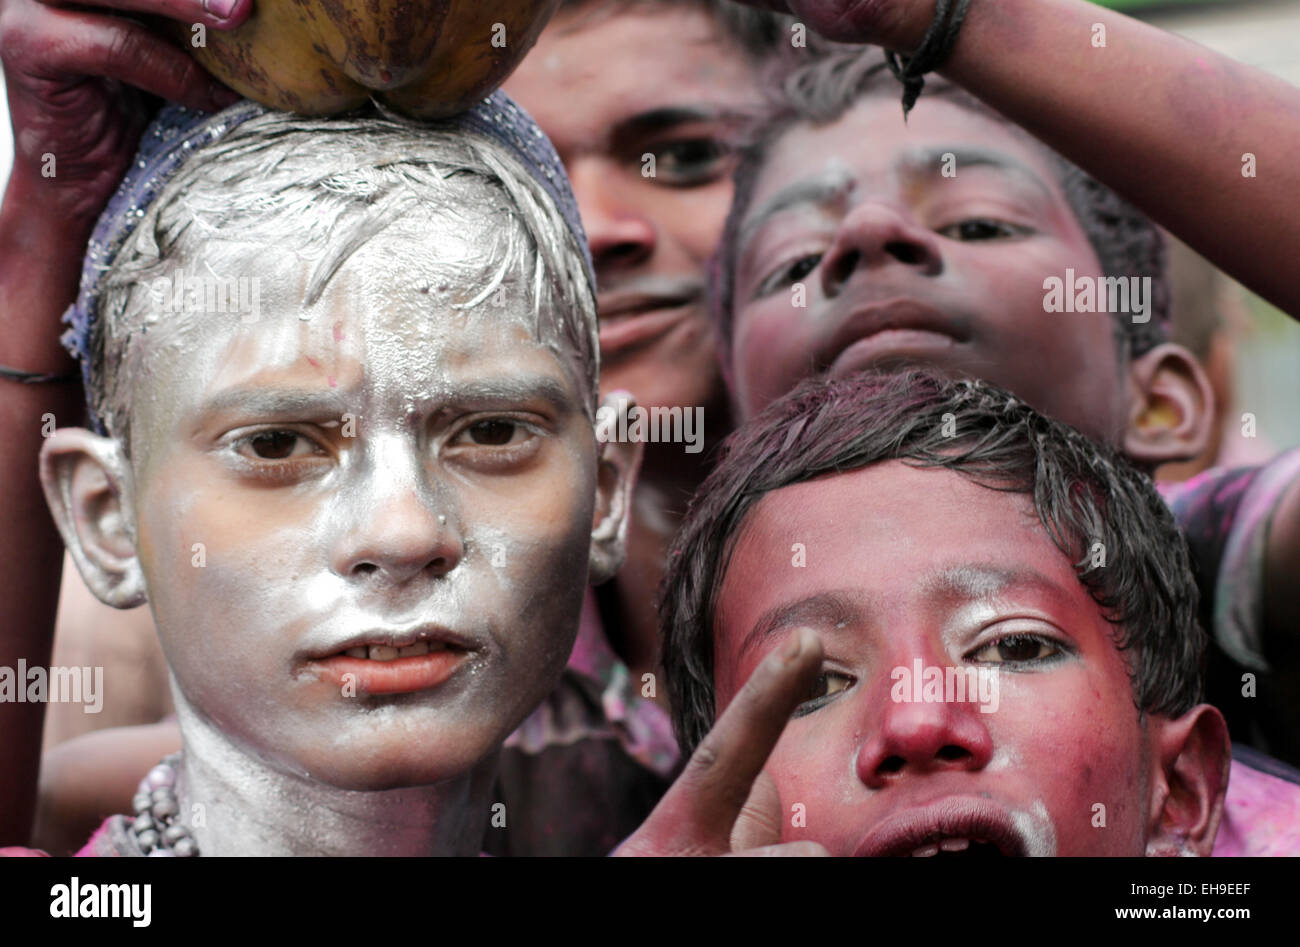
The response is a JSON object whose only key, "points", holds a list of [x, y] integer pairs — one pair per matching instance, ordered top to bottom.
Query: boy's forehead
{"points": [[603, 55], [409, 319], [891, 532]]}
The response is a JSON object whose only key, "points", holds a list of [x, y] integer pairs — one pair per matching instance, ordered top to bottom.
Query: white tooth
{"points": [[420, 647], [357, 652], [382, 652], [955, 844], [925, 851]]}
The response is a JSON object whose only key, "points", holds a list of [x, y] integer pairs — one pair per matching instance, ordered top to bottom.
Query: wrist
{"points": [[904, 30], [32, 216], [40, 271]]}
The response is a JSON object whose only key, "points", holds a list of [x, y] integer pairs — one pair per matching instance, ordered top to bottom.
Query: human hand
{"points": [[79, 83], [723, 804]]}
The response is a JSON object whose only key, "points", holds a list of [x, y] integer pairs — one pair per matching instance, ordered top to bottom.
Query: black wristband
{"points": [[930, 55]]}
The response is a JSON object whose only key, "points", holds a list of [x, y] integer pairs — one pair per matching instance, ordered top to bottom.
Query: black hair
{"points": [[820, 88], [1083, 492]]}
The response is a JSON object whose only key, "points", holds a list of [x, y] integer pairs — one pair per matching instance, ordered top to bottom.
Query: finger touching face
{"points": [[966, 671]]}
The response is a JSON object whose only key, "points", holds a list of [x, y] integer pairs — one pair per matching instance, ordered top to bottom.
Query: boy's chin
{"points": [[380, 769]]}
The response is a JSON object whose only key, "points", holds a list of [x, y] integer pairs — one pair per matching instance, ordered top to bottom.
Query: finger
{"points": [[219, 14], [127, 52], [709, 795], [759, 822], [788, 850]]}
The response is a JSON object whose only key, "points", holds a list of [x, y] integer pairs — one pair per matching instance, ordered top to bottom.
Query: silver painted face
{"points": [[376, 466]]}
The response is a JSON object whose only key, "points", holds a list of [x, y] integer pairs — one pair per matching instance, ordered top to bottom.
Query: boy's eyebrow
{"points": [[670, 116], [929, 162], [822, 189], [512, 389], [275, 401], [280, 402], [973, 581], [956, 584], [822, 610]]}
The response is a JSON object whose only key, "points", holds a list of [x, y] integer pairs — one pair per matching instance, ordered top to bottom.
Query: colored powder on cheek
{"points": [[1035, 827]]}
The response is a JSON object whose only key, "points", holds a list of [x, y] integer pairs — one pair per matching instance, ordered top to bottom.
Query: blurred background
{"points": [[1251, 350]]}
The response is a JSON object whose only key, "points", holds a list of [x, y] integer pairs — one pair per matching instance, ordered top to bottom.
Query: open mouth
{"points": [[383, 652], [393, 666], [960, 827], [946, 847]]}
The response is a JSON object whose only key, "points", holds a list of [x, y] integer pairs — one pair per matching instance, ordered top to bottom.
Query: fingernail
{"points": [[221, 9], [793, 646]]}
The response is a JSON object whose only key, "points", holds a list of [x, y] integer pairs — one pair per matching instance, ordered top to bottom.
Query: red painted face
{"points": [[891, 566]]}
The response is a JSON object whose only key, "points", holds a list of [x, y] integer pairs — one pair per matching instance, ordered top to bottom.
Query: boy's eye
{"points": [[691, 161], [980, 228], [790, 273], [496, 432], [279, 445], [1017, 649], [827, 685]]}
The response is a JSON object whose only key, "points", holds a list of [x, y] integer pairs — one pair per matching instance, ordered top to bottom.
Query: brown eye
{"points": [[981, 228], [494, 433], [274, 445], [1018, 649], [827, 685]]}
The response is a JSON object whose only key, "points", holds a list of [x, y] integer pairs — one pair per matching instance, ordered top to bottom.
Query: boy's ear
{"points": [[1171, 407], [618, 463], [87, 485], [1190, 761]]}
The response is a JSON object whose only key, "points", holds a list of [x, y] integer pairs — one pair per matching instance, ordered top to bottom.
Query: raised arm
{"points": [[76, 119], [1205, 145]]}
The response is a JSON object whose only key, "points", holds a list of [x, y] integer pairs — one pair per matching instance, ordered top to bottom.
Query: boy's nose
{"points": [[620, 234], [875, 234], [399, 528], [918, 737]]}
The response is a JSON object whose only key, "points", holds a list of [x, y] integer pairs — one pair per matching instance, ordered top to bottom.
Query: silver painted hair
{"points": [[323, 187]]}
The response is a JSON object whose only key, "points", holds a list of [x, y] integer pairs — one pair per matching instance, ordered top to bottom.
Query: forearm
{"points": [[1163, 121], [39, 264]]}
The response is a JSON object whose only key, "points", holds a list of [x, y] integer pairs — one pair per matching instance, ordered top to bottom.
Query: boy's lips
{"points": [[630, 320], [897, 328], [392, 661], [400, 675], [943, 826]]}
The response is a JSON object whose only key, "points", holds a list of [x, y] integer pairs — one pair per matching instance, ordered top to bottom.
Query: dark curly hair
{"points": [[819, 85], [1083, 493]]}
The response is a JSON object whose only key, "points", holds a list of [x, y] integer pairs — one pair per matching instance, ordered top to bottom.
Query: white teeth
{"points": [[411, 650], [357, 652], [382, 652], [955, 844], [925, 851]]}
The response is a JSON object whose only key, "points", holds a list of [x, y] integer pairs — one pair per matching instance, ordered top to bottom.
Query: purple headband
{"points": [[177, 131]]}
